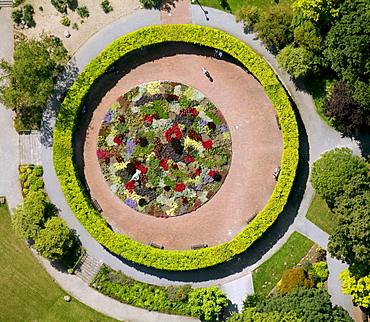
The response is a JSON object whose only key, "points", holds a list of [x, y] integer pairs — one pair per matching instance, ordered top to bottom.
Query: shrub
{"points": [[106, 6], [83, 12], [65, 21], [75, 26], [38, 171], [23, 176], [73, 189], [319, 272], [294, 277]]}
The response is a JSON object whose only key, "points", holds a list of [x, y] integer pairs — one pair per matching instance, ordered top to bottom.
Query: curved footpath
{"points": [[320, 137]]}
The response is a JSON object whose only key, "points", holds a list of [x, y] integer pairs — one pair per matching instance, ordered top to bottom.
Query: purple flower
{"points": [[108, 116], [203, 122], [223, 127], [130, 147], [208, 179], [198, 187], [131, 203], [183, 210]]}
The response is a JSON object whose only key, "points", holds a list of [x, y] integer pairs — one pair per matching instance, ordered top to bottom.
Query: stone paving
{"points": [[256, 144]]}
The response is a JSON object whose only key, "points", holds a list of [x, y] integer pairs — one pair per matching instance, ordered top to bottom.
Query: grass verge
{"points": [[233, 5], [320, 214], [269, 273], [27, 291]]}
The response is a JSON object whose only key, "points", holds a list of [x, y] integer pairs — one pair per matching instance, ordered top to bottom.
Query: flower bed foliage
{"points": [[164, 148], [80, 202], [203, 303]]}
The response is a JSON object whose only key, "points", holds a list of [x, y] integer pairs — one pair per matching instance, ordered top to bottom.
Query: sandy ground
{"points": [[49, 19]]}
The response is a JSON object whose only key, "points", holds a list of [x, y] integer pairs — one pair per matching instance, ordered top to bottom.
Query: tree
{"points": [[249, 15], [274, 27], [348, 48], [297, 61], [30, 80], [347, 115], [333, 171], [28, 219], [54, 241], [350, 241], [294, 277], [358, 287], [206, 303], [308, 304], [250, 315]]}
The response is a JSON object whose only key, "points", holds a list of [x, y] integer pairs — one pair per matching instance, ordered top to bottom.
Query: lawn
{"points": [[237, 4], [320, 214], [269, 273], [28, 292]]}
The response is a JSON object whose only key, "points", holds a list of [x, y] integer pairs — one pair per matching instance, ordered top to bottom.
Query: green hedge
{"points": [[80, 203]]}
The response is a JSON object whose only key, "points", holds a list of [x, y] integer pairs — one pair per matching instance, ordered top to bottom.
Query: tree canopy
{"points": [[348, 48], [297, 61], [29, 81], [345, 112], [333, 171], [30, 217], [55, 240], [350, 241], [357, 286], [309, 305]]}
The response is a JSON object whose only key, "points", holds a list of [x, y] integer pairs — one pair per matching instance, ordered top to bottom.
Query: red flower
{"points": [[189, 110], [121, 118], [148, 118], [173, 130], [117, 140], [207, 144], [189, 159], [164, 164], [175, 167], [141, 168], [198, 172], [212, 172], [130, 185], [179, 187], [184, 200], [197, 204]]}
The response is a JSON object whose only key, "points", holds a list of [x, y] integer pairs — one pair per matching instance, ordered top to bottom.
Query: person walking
{"points": [[206, 72]]}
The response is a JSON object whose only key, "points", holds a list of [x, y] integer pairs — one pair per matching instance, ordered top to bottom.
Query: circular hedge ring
{"points": [[81, 205]]}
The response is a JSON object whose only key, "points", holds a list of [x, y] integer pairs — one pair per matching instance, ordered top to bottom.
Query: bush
{"points": [[106, 6], [83, 12], [65, 21], [38, 171], [23, 176], [74, 191], [319, 272], [294, 277]]}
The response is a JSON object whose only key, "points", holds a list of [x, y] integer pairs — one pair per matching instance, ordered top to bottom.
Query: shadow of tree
{"points": [[65, 81]]}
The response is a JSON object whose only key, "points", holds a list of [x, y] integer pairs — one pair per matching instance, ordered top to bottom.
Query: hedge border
{"points": [[81, 205]]}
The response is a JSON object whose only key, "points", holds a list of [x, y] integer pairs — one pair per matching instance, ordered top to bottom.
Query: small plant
{"points": [[16, 3], [61, 5], [106, 6], [41, 8], [83, 12], [24, 14], [65, 21], [75, 26]]}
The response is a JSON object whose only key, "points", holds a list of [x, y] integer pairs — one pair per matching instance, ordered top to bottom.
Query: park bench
{"points": [[96, 205], [251, 218], [155, 245], [198, 246]]}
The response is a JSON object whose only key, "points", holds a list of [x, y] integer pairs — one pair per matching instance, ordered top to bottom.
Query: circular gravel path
{"points": [[256, 144]]}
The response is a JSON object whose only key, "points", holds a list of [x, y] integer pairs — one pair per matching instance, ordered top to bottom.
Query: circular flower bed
{"points": [[164, 148]]}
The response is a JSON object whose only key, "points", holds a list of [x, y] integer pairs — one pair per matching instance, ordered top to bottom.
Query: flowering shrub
{"points": [[157, 168]]}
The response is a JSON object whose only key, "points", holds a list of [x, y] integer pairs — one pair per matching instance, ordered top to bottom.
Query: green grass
{"points": [[237, 4], [320, 214], [268, 274], [27, 291]]}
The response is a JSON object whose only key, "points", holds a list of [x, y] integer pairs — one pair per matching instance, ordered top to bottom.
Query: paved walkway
{"points": [[320, 137], [256, 144]]}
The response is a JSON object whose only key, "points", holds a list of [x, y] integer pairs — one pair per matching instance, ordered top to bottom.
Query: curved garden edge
{"points": [[79, 201]]}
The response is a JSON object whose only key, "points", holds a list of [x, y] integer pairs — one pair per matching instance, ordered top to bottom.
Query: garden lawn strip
{"points": [[269, 273], [28, 292]]}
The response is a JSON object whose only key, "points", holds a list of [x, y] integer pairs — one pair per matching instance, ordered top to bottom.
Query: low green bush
{"points": [[106, 6], [83, 12], [65, 21], [81, 204], [293, 278], [203, 303]]}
